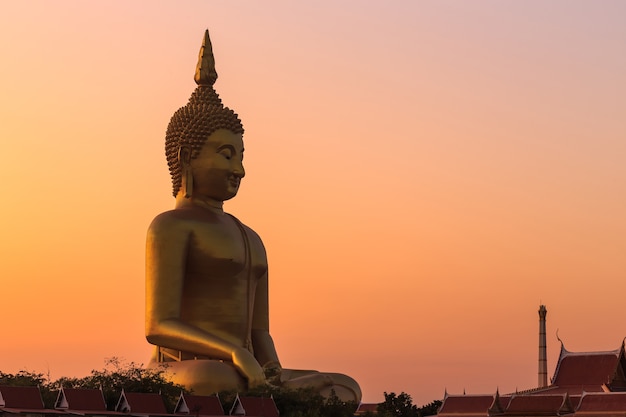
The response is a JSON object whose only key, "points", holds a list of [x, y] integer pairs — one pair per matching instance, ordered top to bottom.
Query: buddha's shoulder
{"points": [[190, 218], [171, 220]]}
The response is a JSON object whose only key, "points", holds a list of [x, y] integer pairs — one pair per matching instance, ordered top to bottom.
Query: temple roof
{"points": [[578, 372], [21, 397], [80, 399], [23, 400], [602, 402], [139, 403], [466, 404], [199, 405], [514, 405], [549, 405], [254, 406]]}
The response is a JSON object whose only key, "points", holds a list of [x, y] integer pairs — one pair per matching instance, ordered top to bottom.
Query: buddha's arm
{"points": [[165, 265], [264, 349]]}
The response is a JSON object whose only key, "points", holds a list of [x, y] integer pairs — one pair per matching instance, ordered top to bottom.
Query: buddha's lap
{"points": [[204, 376], [207, 377]]}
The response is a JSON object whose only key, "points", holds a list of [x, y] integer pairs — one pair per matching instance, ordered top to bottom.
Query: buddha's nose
{"points": [[238, 170]]}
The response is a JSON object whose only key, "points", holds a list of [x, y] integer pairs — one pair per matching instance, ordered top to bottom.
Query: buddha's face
{"points": [[218, 169]]}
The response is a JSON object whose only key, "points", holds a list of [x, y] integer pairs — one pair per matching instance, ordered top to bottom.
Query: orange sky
{"points": [[423, 175]]}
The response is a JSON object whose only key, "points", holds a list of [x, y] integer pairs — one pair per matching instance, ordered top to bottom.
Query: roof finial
{"points": [[205, 70]]}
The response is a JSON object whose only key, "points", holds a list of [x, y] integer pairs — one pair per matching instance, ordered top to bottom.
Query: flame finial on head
{"points": [[205, 69]]}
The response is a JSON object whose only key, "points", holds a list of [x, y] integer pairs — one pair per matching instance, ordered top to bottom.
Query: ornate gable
{"points": [[588, 371], [199, 405]]}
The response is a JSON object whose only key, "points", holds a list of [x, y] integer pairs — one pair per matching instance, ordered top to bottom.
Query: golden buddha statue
{"points": [[206, 272]]}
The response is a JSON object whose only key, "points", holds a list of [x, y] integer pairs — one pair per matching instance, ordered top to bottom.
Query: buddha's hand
{"points": [[248, 366], [272, 371]]}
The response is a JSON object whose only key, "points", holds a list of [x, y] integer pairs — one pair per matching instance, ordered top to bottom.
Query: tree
{"points": [[132, 377], [23, 379], [397, 406], [335, 407], [430, 409]]}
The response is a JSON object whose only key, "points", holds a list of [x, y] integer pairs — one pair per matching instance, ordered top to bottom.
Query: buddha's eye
{"points": [[226, 153]]}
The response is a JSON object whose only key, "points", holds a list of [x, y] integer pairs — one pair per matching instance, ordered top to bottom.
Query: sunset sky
{"points": [[423, 175]]}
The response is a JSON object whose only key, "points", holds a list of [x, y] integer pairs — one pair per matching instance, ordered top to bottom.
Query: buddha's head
{"points": [[203, 124]]}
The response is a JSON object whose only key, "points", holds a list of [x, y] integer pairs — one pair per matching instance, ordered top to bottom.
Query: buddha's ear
{"points": [[184, 156], [184, 161]]}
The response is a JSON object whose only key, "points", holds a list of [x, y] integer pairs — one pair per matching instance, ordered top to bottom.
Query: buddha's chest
{"points": [[224, 251]]}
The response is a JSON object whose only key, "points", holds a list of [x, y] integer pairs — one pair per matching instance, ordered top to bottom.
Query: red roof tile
{"points": [[586, 369], [21, 397], [83, 399], [606, 401], [143, 403], [464, 404], [540, 404], [199, 405], [257, 406]]}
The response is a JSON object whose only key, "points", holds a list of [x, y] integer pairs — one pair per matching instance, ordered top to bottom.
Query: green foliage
{"points": [[117, 375], [23, 379], [397, 406], [402, 406], [334, 407], [430, 409]]}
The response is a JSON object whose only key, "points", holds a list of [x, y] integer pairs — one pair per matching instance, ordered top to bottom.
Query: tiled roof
{"points": [[586, 369], [575, 390], [21, 397], [81, 399], [599, 402], [141, 403], [466, 404], [199, 405], [552, 405], [254, 406]]}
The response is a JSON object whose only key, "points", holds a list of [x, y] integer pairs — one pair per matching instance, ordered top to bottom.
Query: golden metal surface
{"points": [[206, 273]]}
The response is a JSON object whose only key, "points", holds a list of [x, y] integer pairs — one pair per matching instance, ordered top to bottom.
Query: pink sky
{"points": [[423, 174]]}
